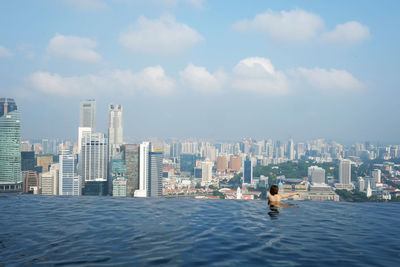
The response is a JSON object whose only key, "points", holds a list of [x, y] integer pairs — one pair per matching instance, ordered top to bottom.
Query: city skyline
{"points": [[246, 71]]}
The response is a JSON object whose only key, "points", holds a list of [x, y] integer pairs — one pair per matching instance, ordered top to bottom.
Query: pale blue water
{"points": [[105, 231]]}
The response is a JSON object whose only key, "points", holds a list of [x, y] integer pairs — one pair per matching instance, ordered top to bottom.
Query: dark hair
{"points": [[274, 189]]}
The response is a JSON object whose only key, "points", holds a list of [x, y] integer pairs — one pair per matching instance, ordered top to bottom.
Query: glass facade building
{"points": [[10, 146], [131, 157], [187, 163], [248, 171], [154, 188]]}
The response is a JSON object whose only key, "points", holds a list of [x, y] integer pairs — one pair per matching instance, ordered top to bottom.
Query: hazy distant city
{"points": [[102, 164]]}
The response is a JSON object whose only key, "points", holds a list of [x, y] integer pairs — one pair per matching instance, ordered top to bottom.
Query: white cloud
{"points": [[86, 4], [199, 4], [284, 26], [348, 33], [163, 35], [74, 48], [4, 52], [258, 75], [199, 79], [151, 80], [330, 81], [56, 84]]}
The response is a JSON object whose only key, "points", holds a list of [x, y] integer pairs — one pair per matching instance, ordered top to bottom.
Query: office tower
{"points": [[88, 114], [115, 129], [10, 146], [144, 150], [290, 150], [131, 157], [94, 158], [27, 161], [44, 161], [187, 163], [235, 163], [222, 164], [248, 171], [345, 171], [206, 173], [155, 174], [118, 175], [316, 175], [377, 175], [49, 180], [31, 182], [69, 182], [119, 187]]}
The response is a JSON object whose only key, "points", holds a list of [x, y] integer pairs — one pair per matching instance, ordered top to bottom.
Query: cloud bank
{"points": [[299, 26], [161, 36], [73, 48]]}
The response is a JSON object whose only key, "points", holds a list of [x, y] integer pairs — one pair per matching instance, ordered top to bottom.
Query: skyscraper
{"points": [[88, 114], [115, 129], [10, 146], [144, 150], [290, 150], [131, 157], [94, 158], [248, 171], [345, 171], [206, 172], [316, 175], [377, 175], [155, 177], [49, 180], [69, 182]]}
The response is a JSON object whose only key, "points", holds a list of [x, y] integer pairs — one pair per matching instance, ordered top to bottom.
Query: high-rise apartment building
{"points": [[88, 114], [115, 129], [10, 146], [131, 157], [94, 158], [235, 163], [222, 164], [248, 171], [345, 171], [206, 173], [316, 175], [377, 175], [69, 182]]}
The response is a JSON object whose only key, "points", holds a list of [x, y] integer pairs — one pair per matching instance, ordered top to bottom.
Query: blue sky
{"points": [[209, 69]]}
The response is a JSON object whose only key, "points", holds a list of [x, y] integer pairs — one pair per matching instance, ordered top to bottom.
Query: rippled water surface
{"points": [[100, 231]]}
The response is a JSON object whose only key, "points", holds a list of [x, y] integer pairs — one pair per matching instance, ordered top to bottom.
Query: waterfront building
{"points": [[88, 114], [115, 129], [10, 146], [144, 150], [130, 154], [94, 158], [187, 163], [235, 163], [155, 171], [248, 171], [345, 171], [206, 173], [316, 175], [377, 175], [49, 180], [31, 182], [69, 182], [119, 187]]}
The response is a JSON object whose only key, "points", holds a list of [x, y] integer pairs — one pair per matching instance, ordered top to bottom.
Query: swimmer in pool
{"points": [[274, 199]]}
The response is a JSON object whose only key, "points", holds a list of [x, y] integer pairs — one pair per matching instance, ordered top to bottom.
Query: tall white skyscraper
{"points": [[88, 114], [115, 128], [144, 150], [290, 150], [94, 158], [345, 171], [377, 175], [69, 182]]}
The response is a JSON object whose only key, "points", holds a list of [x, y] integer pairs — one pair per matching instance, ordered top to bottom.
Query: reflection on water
{"points": [[277, 207], [93, 231]]}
